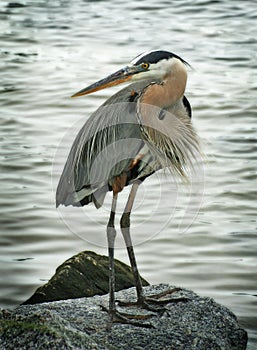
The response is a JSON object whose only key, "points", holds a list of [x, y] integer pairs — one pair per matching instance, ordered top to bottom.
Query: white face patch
{"points": [[165, 67], [159, 70]]}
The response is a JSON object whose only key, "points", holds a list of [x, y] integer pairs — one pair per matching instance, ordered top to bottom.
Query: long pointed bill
{"points": [[121, 76]]}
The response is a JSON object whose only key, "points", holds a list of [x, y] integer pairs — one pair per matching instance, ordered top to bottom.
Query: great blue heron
{"points": [[144, 127]]}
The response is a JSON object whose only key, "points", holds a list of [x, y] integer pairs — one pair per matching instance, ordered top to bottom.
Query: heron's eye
{"points": [[145, 66]]}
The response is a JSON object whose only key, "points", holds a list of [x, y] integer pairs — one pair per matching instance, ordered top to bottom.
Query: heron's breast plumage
{"points": [[167, 130]]}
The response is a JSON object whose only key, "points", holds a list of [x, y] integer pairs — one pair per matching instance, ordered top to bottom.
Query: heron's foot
{"points": [[165, 298], [151, 302], [143, 303], [116, 316]]}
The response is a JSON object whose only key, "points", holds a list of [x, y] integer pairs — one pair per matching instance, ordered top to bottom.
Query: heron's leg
{"points": [[125, 229], [111, 234], [142, 300], [114, 315]]}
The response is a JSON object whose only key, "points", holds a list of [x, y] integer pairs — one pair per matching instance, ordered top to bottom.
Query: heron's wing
{"points": [[104, 148]]}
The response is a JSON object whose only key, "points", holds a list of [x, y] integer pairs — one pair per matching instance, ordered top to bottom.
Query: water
{"points": [[49, 50]]}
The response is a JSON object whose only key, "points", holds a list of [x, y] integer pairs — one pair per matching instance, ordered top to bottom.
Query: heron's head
{"points": [[154, 65]]}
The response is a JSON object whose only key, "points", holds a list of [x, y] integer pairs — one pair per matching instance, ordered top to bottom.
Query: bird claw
{"points": [[156, 299], [142, 304], [116, 316]]}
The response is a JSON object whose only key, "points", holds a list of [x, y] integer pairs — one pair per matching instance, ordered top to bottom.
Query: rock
{"points": [[84, 275], [198, 323]]}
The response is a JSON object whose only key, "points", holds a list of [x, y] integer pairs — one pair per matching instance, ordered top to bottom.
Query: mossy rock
{"points": [[84, 275]]}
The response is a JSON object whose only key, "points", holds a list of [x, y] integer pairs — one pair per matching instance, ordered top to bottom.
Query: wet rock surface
{"points": [[194, 322]]}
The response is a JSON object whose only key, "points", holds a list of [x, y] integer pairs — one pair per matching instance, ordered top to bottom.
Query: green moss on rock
{"points": [[84, 275]]}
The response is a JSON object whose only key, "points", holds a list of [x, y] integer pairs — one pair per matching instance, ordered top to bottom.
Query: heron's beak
{"points": [[121, 76]]}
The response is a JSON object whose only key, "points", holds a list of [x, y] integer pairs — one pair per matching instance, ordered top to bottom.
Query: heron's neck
{"points": [[170, 90]]}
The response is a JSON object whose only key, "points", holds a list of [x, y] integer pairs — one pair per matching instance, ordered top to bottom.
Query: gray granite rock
{"points": [[83, 275], [198, 323]]}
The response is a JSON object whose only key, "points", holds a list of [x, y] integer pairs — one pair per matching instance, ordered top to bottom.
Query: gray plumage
{"points": [[141, 129], [115, 134]]}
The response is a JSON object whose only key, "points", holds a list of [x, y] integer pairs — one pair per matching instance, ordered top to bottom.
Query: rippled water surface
{"points": [[200, 235]]}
